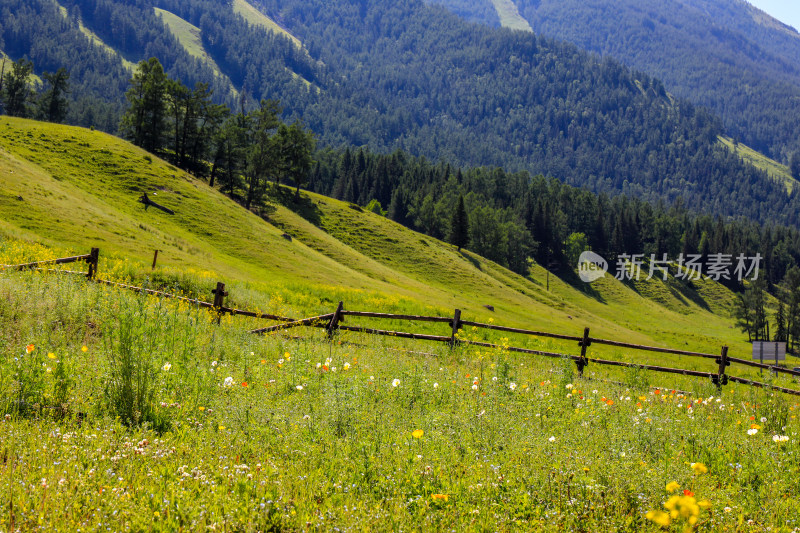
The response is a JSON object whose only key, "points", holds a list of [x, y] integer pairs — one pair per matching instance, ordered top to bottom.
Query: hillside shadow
{"points": [[302, 205], [471, 259], [572, 279], [686, 289]]}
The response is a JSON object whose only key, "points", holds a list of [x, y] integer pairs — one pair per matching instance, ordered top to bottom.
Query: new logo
{"points": [[591, 267]]}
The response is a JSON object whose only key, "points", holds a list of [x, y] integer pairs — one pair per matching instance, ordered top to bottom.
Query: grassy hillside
{"points": [[509, 15], [257, 18], [189, 37], [776, 170], [73, 188]]}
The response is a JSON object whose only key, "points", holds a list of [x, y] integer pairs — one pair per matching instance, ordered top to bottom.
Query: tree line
{"points": [[21, 97], [240, 151]]}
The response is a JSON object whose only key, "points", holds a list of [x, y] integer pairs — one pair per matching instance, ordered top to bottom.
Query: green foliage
{"points": [[17, 92], [53, 102], [144, 122], [296, 145], [374, 206], [577, 243], [751, 315], [132, 343], [338, 435]]}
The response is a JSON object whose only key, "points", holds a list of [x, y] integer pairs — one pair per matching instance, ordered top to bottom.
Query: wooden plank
{"points": [[148, 202], [59, 261], [94, 263], [156, 293], [252, 314], [389, 316], [296, 323], [334, 323], [456, 324], [521, 331], [398, 334], [584, 344], [653, 348], [523, 350], [753, 364], [695, 373], [721, 378], [762, 385]]}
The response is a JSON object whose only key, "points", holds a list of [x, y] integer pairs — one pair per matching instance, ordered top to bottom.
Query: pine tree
{"points": [[16, 88], [53, 104], [144, 121], [295, 147], [263, 152], [459, 225], [744, 315], [780, 323]]}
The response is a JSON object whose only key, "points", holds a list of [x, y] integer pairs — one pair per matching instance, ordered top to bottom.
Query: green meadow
{"points": [[128, 412]]}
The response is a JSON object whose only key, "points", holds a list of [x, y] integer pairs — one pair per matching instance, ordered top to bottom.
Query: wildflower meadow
{"points": [[124, 412]]}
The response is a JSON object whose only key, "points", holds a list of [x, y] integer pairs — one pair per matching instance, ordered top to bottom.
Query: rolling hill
{"points": [[73, 188]]}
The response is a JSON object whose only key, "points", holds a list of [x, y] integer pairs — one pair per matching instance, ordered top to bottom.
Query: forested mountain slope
{"points": [[723, 54], [410, 76]]}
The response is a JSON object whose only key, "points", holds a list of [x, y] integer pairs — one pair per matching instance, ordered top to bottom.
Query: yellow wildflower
{"points": [[660, 518]]}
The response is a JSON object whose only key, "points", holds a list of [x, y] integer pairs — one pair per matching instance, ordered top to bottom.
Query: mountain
{"points": [[726, 55], [418, 78]]}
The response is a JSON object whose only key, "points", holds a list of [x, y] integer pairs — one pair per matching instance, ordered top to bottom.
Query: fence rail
{"points": [[332, 322]]}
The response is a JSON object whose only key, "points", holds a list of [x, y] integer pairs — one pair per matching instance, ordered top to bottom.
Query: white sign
{"points": [[769, 351]]}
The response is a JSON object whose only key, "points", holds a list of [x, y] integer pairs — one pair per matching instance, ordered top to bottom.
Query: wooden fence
{"points": [[333, 322]]}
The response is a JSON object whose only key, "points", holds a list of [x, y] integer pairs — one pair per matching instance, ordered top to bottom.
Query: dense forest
{"points": [[723, 54], [418, 78]]}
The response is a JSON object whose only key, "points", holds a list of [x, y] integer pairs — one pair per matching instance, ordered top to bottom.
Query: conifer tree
{"points": [[17, 91], [53, 104], [145, 120], [459, 225]]}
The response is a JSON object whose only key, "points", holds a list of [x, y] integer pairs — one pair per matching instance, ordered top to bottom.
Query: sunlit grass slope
{"points": [[509, 15], [257, 18], [189, 37], [775, 170], [74, 188]]}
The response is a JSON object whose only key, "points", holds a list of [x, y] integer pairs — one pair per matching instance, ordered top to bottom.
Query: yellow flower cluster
{"points": [[681, 506]]}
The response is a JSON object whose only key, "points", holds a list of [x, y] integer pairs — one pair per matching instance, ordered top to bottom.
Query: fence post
{"points": [[94, 257], [155, 258], [219, 300], [337, 317], [456, 326], [584, 344], [721, 378]]}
